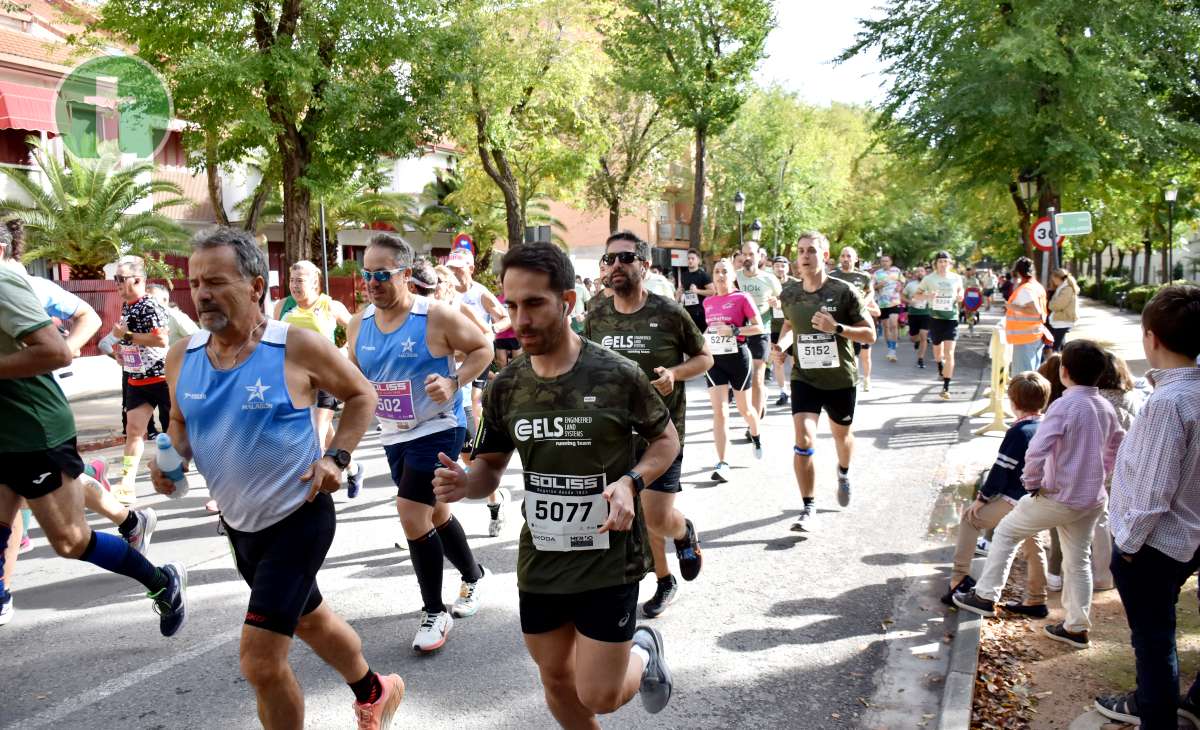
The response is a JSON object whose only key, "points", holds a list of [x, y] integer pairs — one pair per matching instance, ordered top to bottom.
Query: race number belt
{"points": [[690, 298], [943, 302], [776, 312], [721, 344], [816, 351], [395, 410], [565, 512]]}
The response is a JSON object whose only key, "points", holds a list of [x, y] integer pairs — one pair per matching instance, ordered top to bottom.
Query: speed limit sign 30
{"points": [[1039, 234]]}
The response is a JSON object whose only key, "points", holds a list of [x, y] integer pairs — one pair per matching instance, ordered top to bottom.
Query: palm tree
{"points": [[83, 216]]}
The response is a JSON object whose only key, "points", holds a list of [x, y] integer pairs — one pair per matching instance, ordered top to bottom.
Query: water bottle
{"points": [[171, 465]]}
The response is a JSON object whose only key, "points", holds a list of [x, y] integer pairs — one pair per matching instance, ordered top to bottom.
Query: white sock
{"points": [[640, 652]]}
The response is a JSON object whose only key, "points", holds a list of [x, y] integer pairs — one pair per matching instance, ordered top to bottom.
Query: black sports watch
{"points": [[839, 329], [736, 330], [341, 457], [638, 483]]}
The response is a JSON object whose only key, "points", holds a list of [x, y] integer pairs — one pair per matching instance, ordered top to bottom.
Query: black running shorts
{"points": [[885, 312], [917, 322], [943, 330], [512, 344], [760, 346], [860, 346], [732, 370], [156, 395], [838, 403], [413, 462], [34, 474], [669, 482], [280, 564], [605, 614]]}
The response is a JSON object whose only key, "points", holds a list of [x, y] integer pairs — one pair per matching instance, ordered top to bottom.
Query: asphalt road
{"points": [[835, 629]]}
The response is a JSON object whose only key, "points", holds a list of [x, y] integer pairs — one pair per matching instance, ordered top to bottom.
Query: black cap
{"points": [[942, 255], [780, 260]]}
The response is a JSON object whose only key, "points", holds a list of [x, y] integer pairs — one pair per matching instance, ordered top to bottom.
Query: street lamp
{"points": [[1171, 194], [739, 205], [756, 230]]}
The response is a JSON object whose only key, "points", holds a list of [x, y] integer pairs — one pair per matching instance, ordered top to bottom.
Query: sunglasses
{"points": [[625, 257], [381, 276], [122, 279]]}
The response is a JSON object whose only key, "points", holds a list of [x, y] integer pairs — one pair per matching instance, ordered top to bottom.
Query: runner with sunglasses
{"points": [[731, 317], [142, 334], [659, 335], [405, 345]]}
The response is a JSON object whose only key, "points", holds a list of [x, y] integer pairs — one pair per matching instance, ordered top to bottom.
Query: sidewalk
{"points": [[1114, 329]]}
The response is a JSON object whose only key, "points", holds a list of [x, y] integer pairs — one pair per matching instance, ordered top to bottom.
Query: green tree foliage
{"points": [[695, 57], [527, 68], [327, 85], [1060, 92], [93, 211]]}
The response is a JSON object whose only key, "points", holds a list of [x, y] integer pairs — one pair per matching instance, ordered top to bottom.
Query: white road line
{"points": [[120, 684]]}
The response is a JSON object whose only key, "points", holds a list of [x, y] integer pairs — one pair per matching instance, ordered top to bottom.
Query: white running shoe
{"points": [[891, 356], [866, 384], [758, 449], [720, 472], [503, 496], [804, 520], [139, 539], [1053, 582], [467, 603], [7, 610], [432, 632]]}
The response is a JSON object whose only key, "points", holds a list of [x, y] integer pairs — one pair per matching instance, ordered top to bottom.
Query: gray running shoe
{"points": [[720, 472], [843, 492], [804, 520], [139, 539], [656, 677]]}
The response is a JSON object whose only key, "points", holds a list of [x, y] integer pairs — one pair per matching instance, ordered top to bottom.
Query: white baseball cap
{"points": [[460, 258]]}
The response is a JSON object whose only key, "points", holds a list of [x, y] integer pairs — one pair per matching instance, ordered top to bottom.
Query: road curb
{"points": [[959, 689]]}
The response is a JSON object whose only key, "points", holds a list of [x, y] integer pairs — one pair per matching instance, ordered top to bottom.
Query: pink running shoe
{"points": [[100, 473], [26, 545], [378, 715]]}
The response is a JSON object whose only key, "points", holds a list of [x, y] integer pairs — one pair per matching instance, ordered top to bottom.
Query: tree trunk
{"points": [[213, 174], [698, 187], [297, 200], [614, 214], [513, 219], [1148, 244], [1097, 273], [1166, 275]]}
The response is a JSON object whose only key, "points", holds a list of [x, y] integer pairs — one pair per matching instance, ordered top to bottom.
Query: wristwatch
{"points": [[839, 329], [735, 330], [454, 377], [340, 457], [638, 483]]}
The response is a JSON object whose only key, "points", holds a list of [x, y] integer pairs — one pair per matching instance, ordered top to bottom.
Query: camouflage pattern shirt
{"points": [[659, 334], [575, 435]]}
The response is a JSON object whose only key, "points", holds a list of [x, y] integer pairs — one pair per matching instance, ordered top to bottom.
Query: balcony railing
{"points": [[673, 231]]}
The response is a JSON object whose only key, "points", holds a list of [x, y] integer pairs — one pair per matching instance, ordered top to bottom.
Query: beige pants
{"points": [[1032, 515], [1032, 550]]}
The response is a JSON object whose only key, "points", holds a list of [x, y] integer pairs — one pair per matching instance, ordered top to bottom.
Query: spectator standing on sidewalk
{"points": [[1062, 306], [1024, 315], [1029, 393], [1066, 480], [1155, 512]]}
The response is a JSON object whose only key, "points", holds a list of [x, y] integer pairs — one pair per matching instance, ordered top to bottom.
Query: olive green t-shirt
{"points": [[859, 279], [944, 294], [659, 334], [824, 361], [34, 411], [575, 435]]}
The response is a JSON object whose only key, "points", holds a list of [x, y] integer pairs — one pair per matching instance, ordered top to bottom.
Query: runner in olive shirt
{"points": [[781, 268], [848, 272], [944, 290], [918, 314], [827, 316], [662, 339], [572, 408]]}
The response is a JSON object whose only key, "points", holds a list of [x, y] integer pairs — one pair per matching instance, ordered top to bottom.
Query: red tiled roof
{"points": [[28, 46], [195, 190]]}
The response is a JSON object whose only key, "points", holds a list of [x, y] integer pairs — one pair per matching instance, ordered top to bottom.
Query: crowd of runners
{"points": [[584, 380]]}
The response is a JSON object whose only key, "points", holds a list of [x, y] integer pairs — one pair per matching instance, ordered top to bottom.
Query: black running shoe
{"points": [[921, 362], [783, 400], [688, 552], [964, 585], [664, 595], [970, 602], [170, 603], [1038, 611], [1122, 708], [1189, 711]]}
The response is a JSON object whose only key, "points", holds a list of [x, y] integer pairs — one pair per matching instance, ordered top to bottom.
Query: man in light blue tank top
{"points": [[405, 345], [245, 389]]}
